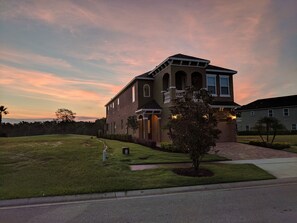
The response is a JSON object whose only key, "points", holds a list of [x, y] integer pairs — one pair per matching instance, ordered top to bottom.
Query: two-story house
{"points": [[150, 95], [282, 108]]}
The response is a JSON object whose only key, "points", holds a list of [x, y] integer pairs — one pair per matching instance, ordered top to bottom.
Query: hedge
{"points": [[278, 146]]}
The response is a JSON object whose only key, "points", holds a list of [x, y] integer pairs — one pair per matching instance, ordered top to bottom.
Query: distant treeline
{"points": [[52, 127]]}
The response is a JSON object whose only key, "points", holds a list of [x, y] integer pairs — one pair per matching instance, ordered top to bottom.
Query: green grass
{"points": [[289, 139], [144, 155], [72, 164]]}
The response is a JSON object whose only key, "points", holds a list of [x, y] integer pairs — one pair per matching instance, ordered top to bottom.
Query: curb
{"points": [[138, 193]]}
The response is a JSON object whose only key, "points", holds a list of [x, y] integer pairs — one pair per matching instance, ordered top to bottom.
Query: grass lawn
{"points": [[290, 139], [141, 154], [72, 164]]}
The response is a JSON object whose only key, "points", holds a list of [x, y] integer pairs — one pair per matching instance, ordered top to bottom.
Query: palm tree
{"points": [[4, 111]]}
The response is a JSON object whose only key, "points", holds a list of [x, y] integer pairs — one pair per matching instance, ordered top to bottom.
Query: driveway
{"points": [[239, 151], [279, 163]]}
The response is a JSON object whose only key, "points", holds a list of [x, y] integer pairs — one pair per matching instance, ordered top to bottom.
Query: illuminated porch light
{"points": [[174, 116]]}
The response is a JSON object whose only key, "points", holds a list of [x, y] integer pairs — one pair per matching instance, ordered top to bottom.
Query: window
{"points": [[211, 84], [224, 86], [146, 90], [133, 93], [118, 101], [286, 112], [252, 113], [270, 113], [122, 124], [294, 126], [115, 127]]}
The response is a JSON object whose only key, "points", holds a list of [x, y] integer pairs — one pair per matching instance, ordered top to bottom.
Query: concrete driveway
{"points": [[239, 151], [279, 163]]}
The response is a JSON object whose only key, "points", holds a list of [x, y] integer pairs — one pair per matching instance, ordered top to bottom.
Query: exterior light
{"points": [[174, 116]]}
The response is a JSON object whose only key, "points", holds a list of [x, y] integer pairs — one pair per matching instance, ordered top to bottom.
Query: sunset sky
{"points": [[78, 54]]}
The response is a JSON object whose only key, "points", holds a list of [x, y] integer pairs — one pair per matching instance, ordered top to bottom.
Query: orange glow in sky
{"points": [[79, 54]]}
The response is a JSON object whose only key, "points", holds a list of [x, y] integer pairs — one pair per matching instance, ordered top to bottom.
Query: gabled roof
{"points": [[183, 56], [212, 68], [144, 76], [286, 101], [150, 105]]}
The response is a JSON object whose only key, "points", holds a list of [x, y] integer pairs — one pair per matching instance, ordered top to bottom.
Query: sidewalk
{"points": [[279, 167], [56, 200]]}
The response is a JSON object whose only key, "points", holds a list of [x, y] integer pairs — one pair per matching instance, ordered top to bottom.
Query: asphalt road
{"points": [[274, 203]]}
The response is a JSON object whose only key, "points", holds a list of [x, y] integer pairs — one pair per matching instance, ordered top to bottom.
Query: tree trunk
{"points": [[274, 134], [261, 136]]}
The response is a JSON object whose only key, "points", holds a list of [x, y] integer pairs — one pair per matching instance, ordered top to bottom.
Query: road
{"points": [[273, 203]]}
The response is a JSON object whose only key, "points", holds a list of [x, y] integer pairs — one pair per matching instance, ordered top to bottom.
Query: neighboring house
{"points": [[150, 95], [282, 108]]}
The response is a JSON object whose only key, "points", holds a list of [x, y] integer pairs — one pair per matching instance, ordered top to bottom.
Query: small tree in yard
{"points": [[3, 111], [132, 123], [266, 125], [192, 126]]}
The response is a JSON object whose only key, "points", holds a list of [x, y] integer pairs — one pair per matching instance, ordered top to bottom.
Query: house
{"points": [[150, 95], [282, 108]]}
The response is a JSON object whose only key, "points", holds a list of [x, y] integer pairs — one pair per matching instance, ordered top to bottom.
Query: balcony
{"points": [[177, 93]]}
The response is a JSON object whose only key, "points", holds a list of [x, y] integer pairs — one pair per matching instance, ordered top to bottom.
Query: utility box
{"points": [[125, 150]]}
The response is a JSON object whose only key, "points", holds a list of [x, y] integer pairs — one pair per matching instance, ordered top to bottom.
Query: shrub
{"points": [[120, 137], [129, 138], [145, 142], [167, 146], [278, 146]]}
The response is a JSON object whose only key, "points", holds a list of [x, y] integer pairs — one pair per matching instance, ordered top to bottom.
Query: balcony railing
{"points": [[178, 94], [166, 97]]}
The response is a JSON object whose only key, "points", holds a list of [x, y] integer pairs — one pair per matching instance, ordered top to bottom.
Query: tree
{"points": [[3, 111], [65, 115], [132, 123], [192, 125], [266, 125]]}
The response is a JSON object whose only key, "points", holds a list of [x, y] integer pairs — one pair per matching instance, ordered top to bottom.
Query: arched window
{"points": [[165, 82], [146, 90]]}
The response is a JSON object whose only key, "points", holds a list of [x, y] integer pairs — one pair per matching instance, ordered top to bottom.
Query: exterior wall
{"points": [[141, 99], [121, 112], [248, 120]]}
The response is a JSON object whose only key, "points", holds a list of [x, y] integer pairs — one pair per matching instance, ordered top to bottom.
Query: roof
{"points": [[183, 56], [220, 69], [144, 76], [285, 101], [225, 103], [150, 105]]}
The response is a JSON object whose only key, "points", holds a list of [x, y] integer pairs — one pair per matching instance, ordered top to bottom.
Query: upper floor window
{"points": [[211, 84], [224, 86], [146, 90], [133, 93], [118, 101], [286, 112], [252, 113], [270, 113]]}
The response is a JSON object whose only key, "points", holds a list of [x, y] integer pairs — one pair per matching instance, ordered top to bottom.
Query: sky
{"points": [[79, 54]]}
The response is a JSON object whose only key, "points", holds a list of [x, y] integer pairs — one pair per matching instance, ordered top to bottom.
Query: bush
{"points": [[120, 137], [129, 138], [144, 142], [167, 146], [278, 146]]}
